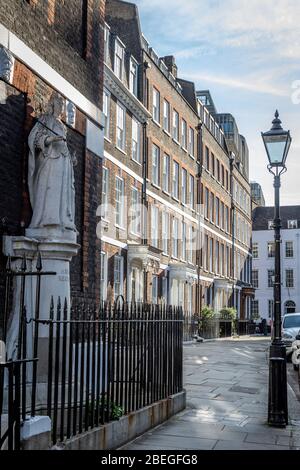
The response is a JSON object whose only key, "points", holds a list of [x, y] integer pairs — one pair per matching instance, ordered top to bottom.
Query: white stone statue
{"points": [[6, 64], [50, 172]]}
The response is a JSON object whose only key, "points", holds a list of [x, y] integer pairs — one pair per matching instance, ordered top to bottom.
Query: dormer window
{"points": [[119, 59], [133, 76], [292, 224]]}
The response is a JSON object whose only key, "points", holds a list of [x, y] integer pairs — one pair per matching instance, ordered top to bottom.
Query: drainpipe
{"points": [[144, 226], [232, 228], [199, 237]]}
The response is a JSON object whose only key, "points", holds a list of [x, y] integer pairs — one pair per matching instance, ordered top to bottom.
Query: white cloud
{"points": [[234, 23], [255, 85]]}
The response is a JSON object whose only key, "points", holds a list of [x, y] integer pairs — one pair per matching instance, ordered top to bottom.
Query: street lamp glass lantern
{"points": [[277, 143]]}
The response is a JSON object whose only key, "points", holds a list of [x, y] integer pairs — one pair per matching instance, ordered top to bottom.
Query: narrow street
{"points": [[226, 383]]}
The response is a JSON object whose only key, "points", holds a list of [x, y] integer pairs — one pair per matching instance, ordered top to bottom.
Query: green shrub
{"points": [[207, 313], [228, 313], [115, 411]]}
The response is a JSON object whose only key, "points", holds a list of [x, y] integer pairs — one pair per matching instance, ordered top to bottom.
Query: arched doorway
{"points": [[289, 307]]}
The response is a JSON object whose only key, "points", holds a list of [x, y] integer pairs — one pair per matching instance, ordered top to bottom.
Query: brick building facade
{"points": [[53, 46], [194, 243]]}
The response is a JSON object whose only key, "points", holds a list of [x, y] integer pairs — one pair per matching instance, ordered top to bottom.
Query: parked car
{"points": [[290, 328], [296, 352]]}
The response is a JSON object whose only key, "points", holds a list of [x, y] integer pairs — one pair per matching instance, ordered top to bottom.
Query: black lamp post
{"points": [[277, 143]]}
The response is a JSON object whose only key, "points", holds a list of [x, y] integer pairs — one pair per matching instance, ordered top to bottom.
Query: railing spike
{"points": [[39, 262], [8, 263], [24, 263], [51, 308], [65, 309]]}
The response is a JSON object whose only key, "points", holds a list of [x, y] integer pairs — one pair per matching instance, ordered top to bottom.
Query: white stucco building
{"points": [[263, 260]]}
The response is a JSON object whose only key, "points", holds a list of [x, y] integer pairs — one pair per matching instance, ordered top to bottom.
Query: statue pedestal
{"points": [[56, 254]]}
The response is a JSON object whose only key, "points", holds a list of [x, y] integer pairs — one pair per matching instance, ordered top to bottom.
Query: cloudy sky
{"points": [[247, 52]]}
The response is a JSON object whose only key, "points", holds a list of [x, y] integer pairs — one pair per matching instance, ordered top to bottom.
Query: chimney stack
{"points": [[169, 60]]}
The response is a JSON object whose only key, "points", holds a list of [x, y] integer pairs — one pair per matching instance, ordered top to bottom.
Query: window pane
{"points": [[156, 105], [166, 116], [175, 125], [120, 127], [183, 134], [191, 141], [135, 144], [155, 164], [166, 173], [184, 186], [175, 189], [119, 201], [289, 249]]}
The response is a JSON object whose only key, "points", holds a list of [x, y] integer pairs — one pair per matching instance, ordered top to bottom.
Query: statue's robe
{"points": [[50, 177]]}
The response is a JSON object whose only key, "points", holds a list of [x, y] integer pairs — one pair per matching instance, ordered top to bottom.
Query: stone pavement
{"points": [[226, 383]]}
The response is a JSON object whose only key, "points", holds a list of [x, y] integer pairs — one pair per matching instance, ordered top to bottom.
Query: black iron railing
{"points": [[105, 363], [12, 402]]}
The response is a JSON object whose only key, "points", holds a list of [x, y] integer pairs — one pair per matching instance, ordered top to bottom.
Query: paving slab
{"points": [[227, 396]]}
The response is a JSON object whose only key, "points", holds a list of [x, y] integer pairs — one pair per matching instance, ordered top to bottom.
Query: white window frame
{"points": [[119, 54], [133, 76], [156, 105], [106, 112], [121, 116], [166, 116], [175, 126], [184, 128], [136, 140], [191, 142], [155, 165], [166, 173], [175, 180], [184, 183], [192, 192], [105, 193], [119, 202], [135, 208], [292, 224], [154, 226], [165, 232], [175, 237], [184, 241], [190, 244], [271, 249], [289, 249], [255, 250], [119, 259], [271, 274], [103, 276], [289, 279], [255, 281], [164, 289], [154, 293], [254, 311]]}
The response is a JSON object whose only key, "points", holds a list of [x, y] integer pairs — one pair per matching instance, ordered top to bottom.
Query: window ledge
{"points": [[156, 123], [167, 132], [121, 150], [156, 186], [120, 228]]}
